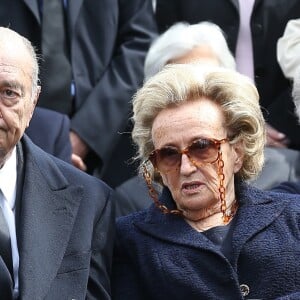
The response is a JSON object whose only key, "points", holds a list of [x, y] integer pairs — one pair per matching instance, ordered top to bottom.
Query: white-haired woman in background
{"points": [[182, 43]]}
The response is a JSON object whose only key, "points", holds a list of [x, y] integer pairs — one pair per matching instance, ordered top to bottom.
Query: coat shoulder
{"points": [[58, 172], [125, 225]]}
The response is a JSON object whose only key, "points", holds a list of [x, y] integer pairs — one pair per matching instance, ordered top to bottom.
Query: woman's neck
{"points": [[212, 217]]}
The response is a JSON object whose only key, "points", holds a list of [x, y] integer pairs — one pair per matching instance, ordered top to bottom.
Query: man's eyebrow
{"points": [[13, 85]]}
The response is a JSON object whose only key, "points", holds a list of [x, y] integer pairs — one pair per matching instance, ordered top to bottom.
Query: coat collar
{"points": [[236, 4], [34, 7], [73, 10], [49, 206], [256, 211]]}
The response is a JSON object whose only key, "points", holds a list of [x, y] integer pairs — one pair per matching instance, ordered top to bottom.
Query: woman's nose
{"points": [[187, 166]]}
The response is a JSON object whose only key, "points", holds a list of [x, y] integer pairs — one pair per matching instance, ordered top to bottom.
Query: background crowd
{"points": [[93, 56], [92, 77]]}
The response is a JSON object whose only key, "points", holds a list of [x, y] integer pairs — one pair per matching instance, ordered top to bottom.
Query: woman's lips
{"points": [[191, 187]]}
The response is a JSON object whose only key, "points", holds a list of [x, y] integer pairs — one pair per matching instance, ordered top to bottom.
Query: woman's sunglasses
{"points": [[202, 151]]}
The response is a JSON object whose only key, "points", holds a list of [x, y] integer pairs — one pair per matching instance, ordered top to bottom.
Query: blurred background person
{"points": [[252, 28], [182, 43], [92, 62], [50, 130], [201, 134]]}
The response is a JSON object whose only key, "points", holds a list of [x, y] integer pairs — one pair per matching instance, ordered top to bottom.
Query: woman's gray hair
{"points": [[180, 39], [233, 92]]}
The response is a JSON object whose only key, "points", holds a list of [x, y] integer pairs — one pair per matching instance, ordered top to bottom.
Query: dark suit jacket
{"points": [[268, 22], [109, 40], [50, 130], [64, 229], [160, 256]]}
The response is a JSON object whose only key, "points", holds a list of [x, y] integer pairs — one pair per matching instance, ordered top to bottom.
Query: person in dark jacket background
{"points": [[258, 37], [105, 45], [50, 131], [201, 133]]}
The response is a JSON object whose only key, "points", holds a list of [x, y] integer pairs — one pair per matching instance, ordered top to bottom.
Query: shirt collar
{"points": [[8, 179]]}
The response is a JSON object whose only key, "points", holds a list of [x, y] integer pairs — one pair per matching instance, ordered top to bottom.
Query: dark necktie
{"points": [[56, 74], [6, 266]]}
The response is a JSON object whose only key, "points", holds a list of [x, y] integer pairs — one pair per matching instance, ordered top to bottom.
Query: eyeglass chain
{"points": [[154, 194]]}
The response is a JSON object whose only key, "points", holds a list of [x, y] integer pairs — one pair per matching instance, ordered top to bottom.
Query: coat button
{"points": [[245, 290]]}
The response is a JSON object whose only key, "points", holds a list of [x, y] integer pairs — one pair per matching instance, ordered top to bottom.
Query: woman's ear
{"points": [[238, 153]]}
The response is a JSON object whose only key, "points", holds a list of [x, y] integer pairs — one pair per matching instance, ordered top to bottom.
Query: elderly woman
{"points": [[181, 43], [205, 43], [201, 134]]}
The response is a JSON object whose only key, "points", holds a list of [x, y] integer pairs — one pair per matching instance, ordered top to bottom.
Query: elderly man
{"points": [[56, 227]]}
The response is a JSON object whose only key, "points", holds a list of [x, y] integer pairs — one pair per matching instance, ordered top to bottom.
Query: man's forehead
{"points": [[8, 34], [13, 44], [13, 49], [15, 62], [9, 66]]}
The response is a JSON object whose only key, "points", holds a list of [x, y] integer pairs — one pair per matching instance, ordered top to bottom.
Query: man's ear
{"points": [[37, 95], [34, 100]]}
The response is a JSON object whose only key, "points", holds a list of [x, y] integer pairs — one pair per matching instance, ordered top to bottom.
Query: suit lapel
{"points": [[235, 4], [256, 4], [33, 6], [73, 12], [48, 211], [252, 217], [172, 228], [175, 229]]}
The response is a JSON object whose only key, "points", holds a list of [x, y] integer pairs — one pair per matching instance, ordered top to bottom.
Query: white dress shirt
{"points": [[244, 48], [8, 186]]}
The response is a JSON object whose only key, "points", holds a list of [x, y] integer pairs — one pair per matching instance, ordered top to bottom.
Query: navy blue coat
{"points": [[160, 256]]}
